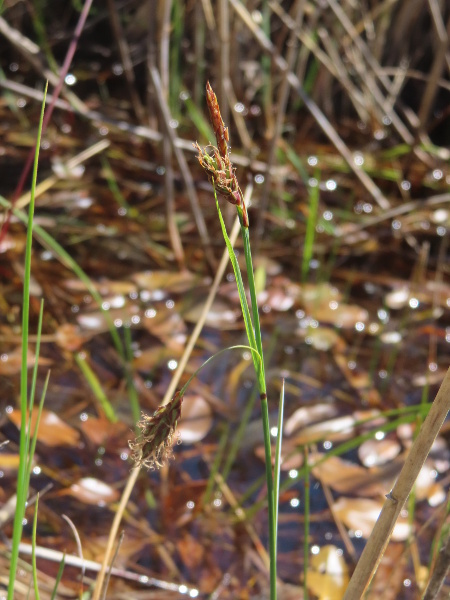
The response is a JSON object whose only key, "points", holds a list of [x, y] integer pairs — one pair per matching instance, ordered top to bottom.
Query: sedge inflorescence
{"points": [[215, 160], [153, 446]]}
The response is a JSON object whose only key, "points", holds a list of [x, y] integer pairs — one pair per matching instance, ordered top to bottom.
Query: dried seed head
{"points": [[220, 131], [216, 161], [222, 175], [153, 446]]}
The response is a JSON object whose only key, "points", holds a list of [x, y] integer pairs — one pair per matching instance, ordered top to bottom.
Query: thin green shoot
{"points": [[38, 22], [176, 38], [199, 49], [266, 65], [311, 76], [10, 99], [196, 116], [296, 162], [114, 188], [48, 241], [308, 246], [327, 269], [260, 279], [242, 297], [254, 304], [253, 331], [213, 357], [35, 367], [96, 387], [131, 388], [408, 415], [243, 421], [36, 429], [236, 443], [354, 443], [30, 451], [219, 454], [277, 468], [22, 487], [250, 491], [412, 498], [150, 499], [306, 516], [440, 538], [33, 550], [58, 577]]}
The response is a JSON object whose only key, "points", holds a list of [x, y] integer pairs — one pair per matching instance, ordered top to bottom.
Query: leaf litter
{"points": [[366, 333]]}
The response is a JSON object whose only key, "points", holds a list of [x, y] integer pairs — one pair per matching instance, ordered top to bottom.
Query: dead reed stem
{"points": [[313, 108], [182, 163], [395, 500]]}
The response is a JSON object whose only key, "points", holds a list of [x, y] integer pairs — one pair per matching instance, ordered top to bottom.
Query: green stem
{"points": [[255, 312], [253, 329], [260, 373], [96, 386], [22, 488], [270, 498], [306, 526], [33, 551]]}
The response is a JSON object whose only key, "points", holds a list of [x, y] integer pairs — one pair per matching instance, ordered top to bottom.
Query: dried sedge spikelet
{"points": [[220, 131], [218, 164], [223, 177], [153, 446]]}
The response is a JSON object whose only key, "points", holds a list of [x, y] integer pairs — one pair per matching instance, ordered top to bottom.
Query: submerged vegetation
{"points": [[332, 148]]}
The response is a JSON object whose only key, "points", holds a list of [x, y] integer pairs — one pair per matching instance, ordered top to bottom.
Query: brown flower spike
{"points": [[220, 131], [217, 163], [153, 446]]}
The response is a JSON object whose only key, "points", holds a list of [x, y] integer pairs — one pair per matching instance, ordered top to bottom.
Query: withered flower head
{"points": [[220, 131], [216, 160], [153, 446]]}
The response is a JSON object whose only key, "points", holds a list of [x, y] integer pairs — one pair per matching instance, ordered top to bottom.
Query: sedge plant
{"points": [[215, 160], [154, 443]]}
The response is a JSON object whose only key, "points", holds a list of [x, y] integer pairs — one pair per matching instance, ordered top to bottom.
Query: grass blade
{"points": [[310, 229], [47, 240], [241, 290], [255, 312], [95, 386], [36, 429], [277, 469], [22, 487], [307, 512], [33, 550], [58, 576]]}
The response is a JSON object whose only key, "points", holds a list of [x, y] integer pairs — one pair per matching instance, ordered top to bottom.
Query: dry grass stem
{"points": [[313, 108], [184, 168], [395, 500], [440, 572]]}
